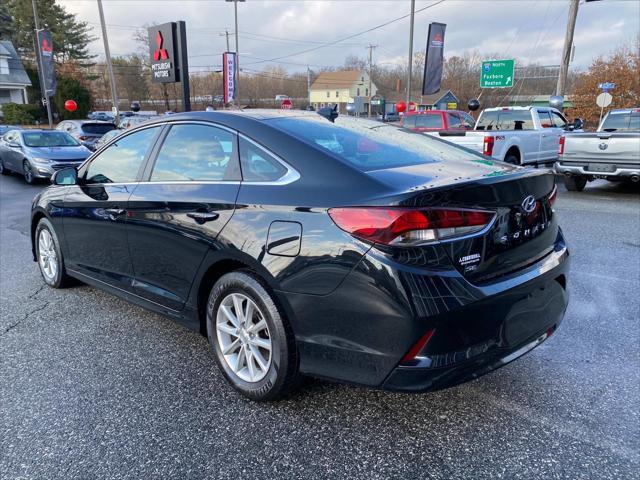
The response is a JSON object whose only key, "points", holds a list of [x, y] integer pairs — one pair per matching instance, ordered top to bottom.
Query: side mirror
{"points": [[578, 123], [66, 176]]}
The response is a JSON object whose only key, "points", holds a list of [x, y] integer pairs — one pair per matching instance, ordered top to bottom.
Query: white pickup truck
{"points": [[518, 135], [612, 152]]}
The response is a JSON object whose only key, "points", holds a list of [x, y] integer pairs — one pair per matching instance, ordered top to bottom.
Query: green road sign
{"points": [[496, 73]]}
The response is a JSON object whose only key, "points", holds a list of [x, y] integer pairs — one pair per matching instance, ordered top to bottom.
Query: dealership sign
{"points": [[162, 46], [229, 76]]}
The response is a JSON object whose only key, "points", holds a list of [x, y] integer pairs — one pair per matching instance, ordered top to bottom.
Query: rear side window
{"points": [[545, 119], [429, 120], [505, 120], [622, 121], [97, 128], [196, 152], [121, 161], [258, 165]]}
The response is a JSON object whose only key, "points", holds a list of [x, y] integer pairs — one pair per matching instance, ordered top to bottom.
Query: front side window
{"points": [[545, 119], [467, 120], [558, 120], [409, 121], [196, 152], [121, 161], [258, 165]]}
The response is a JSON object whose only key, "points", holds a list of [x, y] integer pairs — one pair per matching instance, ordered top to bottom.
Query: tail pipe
{"points": [[635, 178]]}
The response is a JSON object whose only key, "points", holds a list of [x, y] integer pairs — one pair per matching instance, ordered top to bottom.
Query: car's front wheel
{"points": [[3, 169], [27, 171], [49, 255], [253, 343]]}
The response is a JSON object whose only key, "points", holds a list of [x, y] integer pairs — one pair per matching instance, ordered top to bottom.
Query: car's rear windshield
{"points": [[505, 120], [622, 121], [97, 128], [48, 139], [370, 145]]}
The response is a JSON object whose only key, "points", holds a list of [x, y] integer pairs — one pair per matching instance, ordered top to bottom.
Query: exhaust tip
{"points": [[635, 178]]}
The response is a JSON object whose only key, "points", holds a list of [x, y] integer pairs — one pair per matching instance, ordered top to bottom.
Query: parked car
{"points": [[101, 116], [389, 117], [438, 120], [128, 122], [5, 128], [87, 132], [517, 135], [103, 140], [612, 152], [37, 154], [351, 250]]}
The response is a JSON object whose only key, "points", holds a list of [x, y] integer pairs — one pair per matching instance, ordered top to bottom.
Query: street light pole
{"points": [[413, 13], [370, 47], [112, 79], [237, 83]]}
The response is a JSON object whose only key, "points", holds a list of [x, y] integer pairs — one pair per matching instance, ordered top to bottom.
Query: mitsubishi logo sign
{"points": [[162, 50], [160, 53]]}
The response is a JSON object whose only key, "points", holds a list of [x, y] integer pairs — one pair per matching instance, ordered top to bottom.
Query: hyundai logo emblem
{"points": [[603, 146], [528, 204]]}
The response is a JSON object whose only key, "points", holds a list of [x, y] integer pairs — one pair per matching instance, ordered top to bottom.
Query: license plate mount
{"points": [[601, 167]]}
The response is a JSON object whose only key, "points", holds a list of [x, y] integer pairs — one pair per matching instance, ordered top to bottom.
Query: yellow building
{"points": [[341, 88]]}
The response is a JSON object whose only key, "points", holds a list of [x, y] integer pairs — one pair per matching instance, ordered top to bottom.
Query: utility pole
{"points": [[413, 14], [226, 34], [568, 44], [370, 47], [112, 79], [43, 83], [309, 84]]}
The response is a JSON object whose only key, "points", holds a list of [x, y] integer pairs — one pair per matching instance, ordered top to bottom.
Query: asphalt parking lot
{"points": [[93, 387]]}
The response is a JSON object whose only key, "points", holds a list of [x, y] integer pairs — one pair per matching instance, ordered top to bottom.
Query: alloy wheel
{"points": [[28, 174], [47, 256], [243, 337]]}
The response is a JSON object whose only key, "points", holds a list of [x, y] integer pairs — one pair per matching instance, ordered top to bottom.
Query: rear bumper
{"points": [[575, 168], [360, 332]]}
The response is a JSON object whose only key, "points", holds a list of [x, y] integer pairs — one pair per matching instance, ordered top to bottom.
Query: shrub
{"points": [[18, 114]]}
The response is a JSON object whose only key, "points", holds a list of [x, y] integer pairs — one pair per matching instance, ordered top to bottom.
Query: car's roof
{"points": [[425, 112], [255, 114], [82, 122]]}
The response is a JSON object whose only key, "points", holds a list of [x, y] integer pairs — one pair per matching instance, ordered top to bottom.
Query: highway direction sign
{"points": [[496, 73]]}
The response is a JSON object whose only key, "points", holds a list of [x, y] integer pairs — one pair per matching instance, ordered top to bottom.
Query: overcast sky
{"points": [[530, 30]]}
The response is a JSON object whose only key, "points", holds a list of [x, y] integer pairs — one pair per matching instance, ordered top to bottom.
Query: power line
{"points": [[350, 36]]}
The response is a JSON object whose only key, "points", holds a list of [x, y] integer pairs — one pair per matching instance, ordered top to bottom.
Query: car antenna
{"points": [[330, 113]]}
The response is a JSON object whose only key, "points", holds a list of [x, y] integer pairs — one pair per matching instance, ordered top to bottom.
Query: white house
{"points": [[13, 78], [341, 87]]}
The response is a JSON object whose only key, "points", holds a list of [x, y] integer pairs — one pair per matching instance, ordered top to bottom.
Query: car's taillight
{"points": [[487, 146], [561, 146], [553, 196], [409, 226], [410, 357]]}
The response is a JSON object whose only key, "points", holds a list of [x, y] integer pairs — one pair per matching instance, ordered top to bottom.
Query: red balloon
{"points": [[71, 105], [412, 106], [401, 107]]}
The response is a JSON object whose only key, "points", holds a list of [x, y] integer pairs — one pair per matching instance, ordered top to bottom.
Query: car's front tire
{"points": [[3, 169], [27, 171], [49, 256], [253, 343]]}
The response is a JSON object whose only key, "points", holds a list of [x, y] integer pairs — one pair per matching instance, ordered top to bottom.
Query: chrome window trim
{"points": [[291, 176]]}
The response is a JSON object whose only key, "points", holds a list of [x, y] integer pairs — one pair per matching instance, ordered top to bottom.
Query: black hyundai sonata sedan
{"points": [[351, 250]]}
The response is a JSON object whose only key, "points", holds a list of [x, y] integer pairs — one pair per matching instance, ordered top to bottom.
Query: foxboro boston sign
{"points": [[168, 52]]}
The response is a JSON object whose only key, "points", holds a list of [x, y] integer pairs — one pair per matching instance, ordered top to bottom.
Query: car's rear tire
{"points": [[512, 158], [27, 171], [575, 183], [49, 255], [253, 343]]}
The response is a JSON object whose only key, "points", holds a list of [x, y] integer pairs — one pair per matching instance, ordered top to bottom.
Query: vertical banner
{"points": [[45, 43], [433, 59], [229, 76]]}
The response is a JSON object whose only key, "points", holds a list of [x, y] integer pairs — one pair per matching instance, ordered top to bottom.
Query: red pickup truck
{"points": [[436, 120]]}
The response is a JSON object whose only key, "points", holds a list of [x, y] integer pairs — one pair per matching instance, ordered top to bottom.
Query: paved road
{"points": [[92, 387]]}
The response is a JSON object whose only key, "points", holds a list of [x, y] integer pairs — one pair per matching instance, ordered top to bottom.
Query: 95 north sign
{"points": [[496, 73]]}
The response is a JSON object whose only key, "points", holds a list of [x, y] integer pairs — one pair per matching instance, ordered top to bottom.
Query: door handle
{"points": [[114, 213], [203, 217]]}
